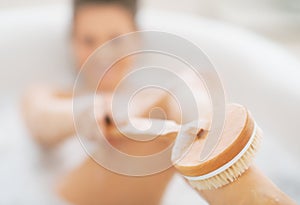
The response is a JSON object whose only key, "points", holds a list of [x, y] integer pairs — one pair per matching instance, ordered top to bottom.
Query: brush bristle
{"points": [[233, 172]]}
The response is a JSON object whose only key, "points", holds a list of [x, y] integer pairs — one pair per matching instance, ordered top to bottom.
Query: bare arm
{"points": [[48, 115], [253, 187]]}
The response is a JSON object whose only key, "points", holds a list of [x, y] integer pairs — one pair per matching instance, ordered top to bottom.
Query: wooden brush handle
{"points": [[143, 129], [252, 187]]}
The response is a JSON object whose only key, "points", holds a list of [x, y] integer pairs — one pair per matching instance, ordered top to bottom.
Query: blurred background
{"points": [[275, 19], [254, 44]]}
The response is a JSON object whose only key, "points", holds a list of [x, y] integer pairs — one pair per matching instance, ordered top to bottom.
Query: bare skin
{"points": [[93, 26], [44, 105], [48, 115], [91, 184], [253, 187]]}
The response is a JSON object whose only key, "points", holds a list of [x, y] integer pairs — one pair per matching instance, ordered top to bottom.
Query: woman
{"points": [[48, 112], [48, 115]]}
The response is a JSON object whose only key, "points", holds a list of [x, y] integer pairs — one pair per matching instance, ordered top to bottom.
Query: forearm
{"points": [[48, 120], [250, 188]]}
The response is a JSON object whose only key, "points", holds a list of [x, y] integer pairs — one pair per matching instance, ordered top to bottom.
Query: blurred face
{"points": [[94, 25]]}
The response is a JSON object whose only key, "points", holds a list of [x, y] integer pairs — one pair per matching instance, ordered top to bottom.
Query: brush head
{"points": [[231, 157]]}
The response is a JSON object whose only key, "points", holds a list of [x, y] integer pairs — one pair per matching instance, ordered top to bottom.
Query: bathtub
{"points": [[255, 72]]}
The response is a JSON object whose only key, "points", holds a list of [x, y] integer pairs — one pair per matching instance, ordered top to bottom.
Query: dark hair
{"points": [[130, 5]]}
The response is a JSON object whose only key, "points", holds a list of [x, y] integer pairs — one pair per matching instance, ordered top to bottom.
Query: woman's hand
{"points": [[92, 116]]}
